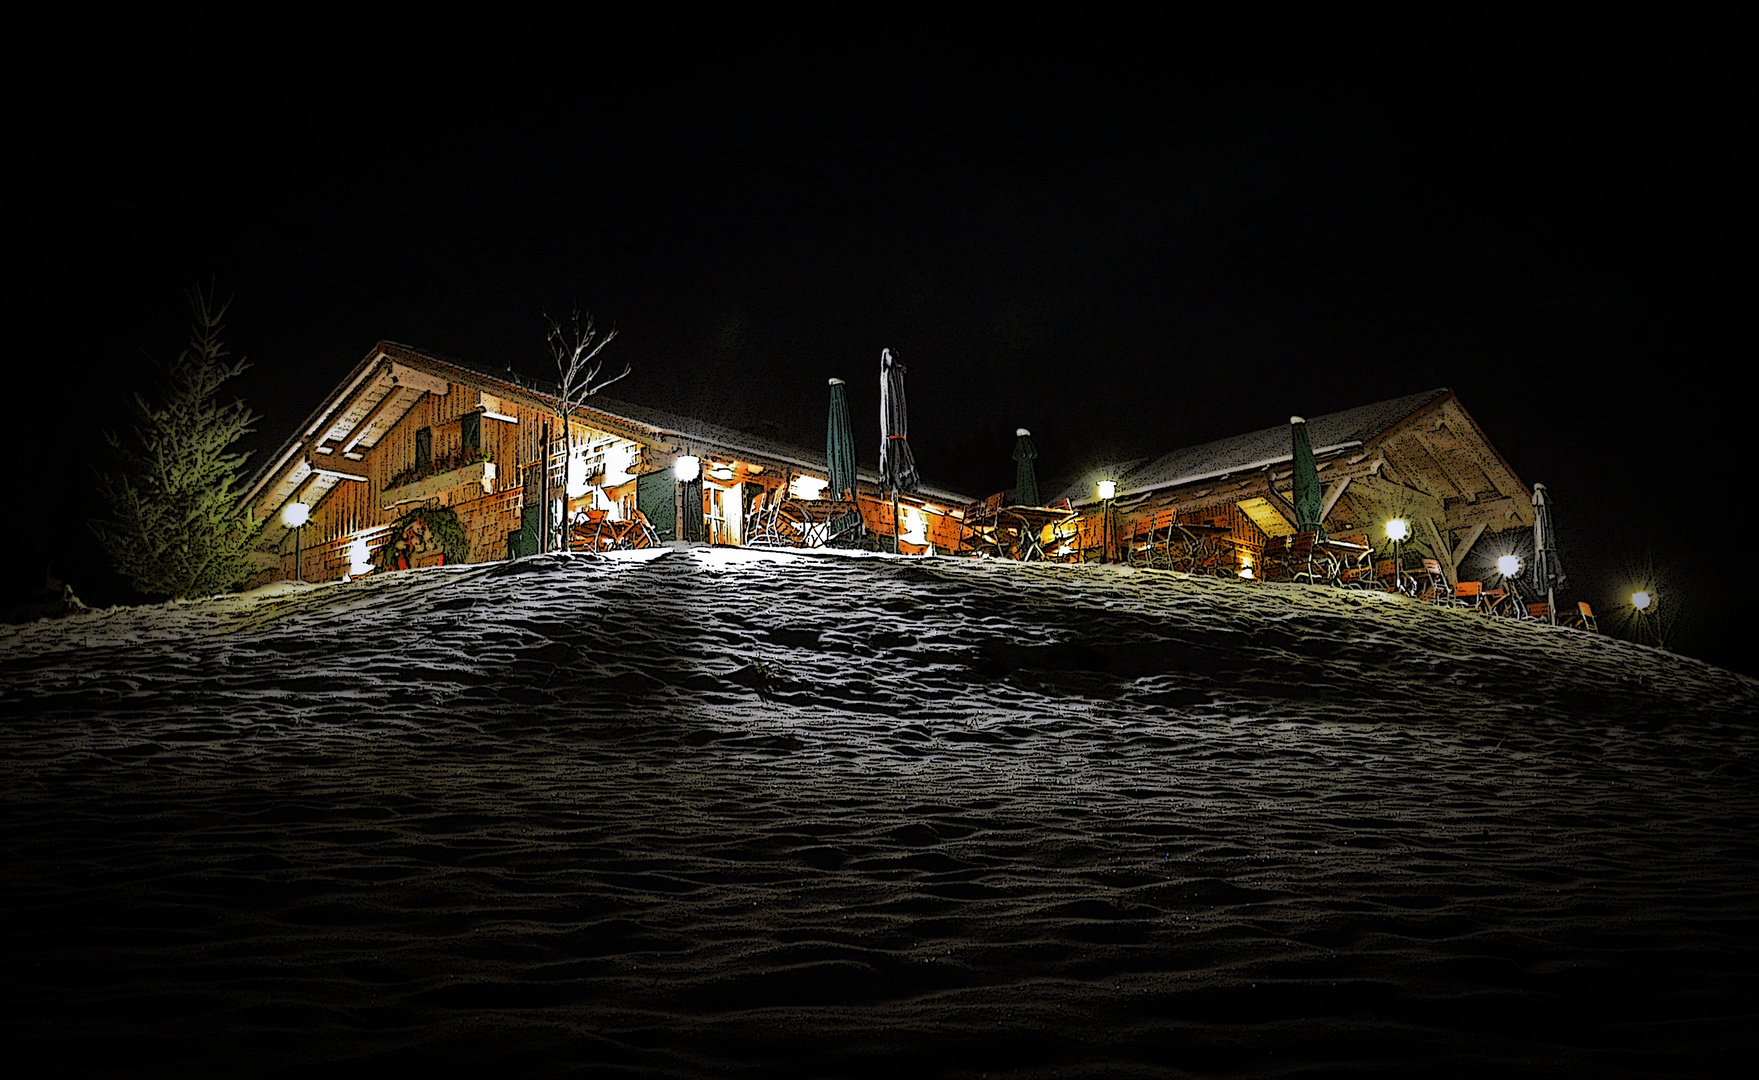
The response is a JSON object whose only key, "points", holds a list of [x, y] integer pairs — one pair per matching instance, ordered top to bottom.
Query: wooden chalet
{"points": [[407, 430], [1421, 458]]}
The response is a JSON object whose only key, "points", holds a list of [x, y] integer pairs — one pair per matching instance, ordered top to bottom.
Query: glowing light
{"points": [[618, 461], [687, 468], [721, 472], [577, 484], [807, 487], [1108, 489], [295, 514], [914, 529], [1398, 529], [360, 560], [1508, 565], [1246, 572], [1641, 600]]}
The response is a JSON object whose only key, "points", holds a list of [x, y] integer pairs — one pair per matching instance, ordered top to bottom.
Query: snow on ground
{"points": [[716, 812]]}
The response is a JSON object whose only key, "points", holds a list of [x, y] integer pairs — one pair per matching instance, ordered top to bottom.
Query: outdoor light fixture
{"points": [[687, 468], [1108, 489], [294, 515], [1396, 531], [360, 560], [1508, 565], [1641, 600]]}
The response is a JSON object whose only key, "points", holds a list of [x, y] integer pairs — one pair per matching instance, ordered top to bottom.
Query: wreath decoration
{"points": [[440, 523]]}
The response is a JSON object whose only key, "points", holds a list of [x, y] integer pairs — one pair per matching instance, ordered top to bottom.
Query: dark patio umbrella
{"points": [[840, 454], [897, 465], [1026, 476], [1309, 500], [1547, 572]]}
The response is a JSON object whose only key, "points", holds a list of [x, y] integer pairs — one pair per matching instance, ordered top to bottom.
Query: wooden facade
{"points": [[408, 430], [1421, 458]]}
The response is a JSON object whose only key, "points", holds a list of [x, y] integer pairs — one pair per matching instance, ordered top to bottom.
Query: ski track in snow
{"points": [[720, 812]]}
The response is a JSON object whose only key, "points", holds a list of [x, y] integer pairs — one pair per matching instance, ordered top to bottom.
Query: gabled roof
{"points": [[369, 401], [1361, 426]]}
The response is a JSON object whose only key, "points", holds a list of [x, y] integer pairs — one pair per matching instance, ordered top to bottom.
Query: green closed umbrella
{"points": [[840, 454], [1026, 475], [1309, 500]]}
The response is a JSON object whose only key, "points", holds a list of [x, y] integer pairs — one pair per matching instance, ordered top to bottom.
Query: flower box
{"points": [[483, 473]]}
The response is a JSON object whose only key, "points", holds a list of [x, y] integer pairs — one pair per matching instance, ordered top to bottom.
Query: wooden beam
{"points": [[416, 379], [386, 404], [496, 409], [337, 466], [1332, 495], [1398, 497], [1280, 505], [1500, 513], [1465, 546], [1441, 549]]}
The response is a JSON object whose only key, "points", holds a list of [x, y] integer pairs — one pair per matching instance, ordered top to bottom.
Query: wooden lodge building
{"points": [[406, 429], [1421, 458]]}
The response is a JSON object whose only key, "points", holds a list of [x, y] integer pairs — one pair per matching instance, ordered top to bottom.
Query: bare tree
{"points": [[576, 349]]}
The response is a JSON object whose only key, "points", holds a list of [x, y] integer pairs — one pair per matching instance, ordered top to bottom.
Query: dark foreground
{"points": [[712, 816]]}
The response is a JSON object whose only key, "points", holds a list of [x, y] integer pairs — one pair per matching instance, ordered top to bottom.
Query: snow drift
{"points": [[722, 812]]}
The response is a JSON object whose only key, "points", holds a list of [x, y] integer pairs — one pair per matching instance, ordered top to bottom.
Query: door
{"points": [[655, 494]]}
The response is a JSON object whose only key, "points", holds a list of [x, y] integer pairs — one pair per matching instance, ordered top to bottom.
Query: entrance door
{"points": [[656, 495]]}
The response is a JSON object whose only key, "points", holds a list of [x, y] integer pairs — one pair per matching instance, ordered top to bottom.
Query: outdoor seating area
{"points": [[802, 523], [990, 529], [594, 530], [1162, 543]]}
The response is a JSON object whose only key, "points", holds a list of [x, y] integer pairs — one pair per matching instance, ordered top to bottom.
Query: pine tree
{"points": [[172, 528]]}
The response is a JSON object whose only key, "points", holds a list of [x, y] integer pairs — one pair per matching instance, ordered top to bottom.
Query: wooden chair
{"points": [[1305, 562], [1273, 564], [1434, 584], [1469, 594], [1496, 602], [1539, 612], [1585, 617]]}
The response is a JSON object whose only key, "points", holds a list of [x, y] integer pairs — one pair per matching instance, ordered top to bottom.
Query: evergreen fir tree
{"points": [[171, 527]]}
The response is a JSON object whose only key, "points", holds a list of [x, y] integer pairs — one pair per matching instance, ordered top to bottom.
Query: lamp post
{"points": [[688, 472], [1108, 490], [294, 515], [1396, 531], [1509, 566]]}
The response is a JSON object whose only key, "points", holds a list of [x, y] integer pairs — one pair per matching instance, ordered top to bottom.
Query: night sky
{"points": [[1126, 243]]}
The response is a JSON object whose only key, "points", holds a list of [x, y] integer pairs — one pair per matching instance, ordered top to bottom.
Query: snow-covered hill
{"points": [[709, 811]]}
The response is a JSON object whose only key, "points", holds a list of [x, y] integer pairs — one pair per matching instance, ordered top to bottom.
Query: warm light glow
{"points": [[619, 460], [687, 468], [721, 473], [577, 484], [807, 487], [1108, 489], [295, 514], [913, 529], [1397, 530], [359, 558], [1508, 565], [1246, 572], [1641, 600]]}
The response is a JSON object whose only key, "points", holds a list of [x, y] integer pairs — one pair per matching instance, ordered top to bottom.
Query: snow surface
{"points": [[720, 812]]}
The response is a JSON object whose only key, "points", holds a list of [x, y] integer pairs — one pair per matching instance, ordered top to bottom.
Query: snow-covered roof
{"points": [[619, 417], [1254, 450]]}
